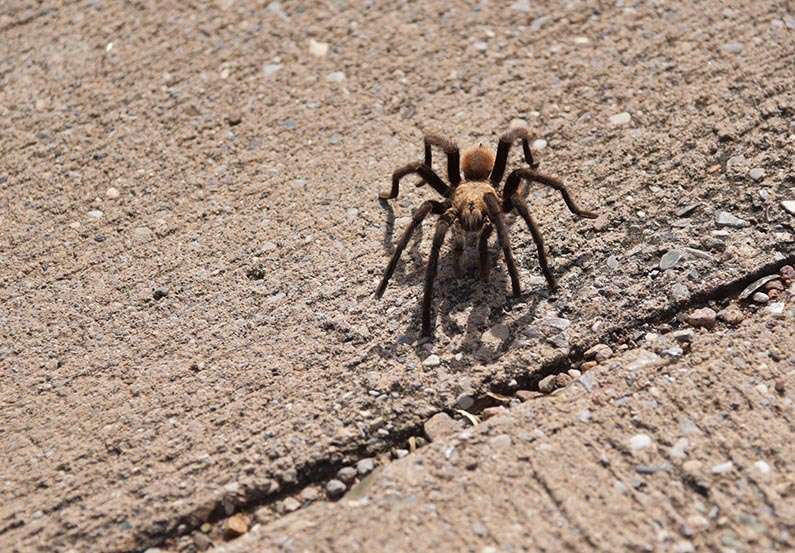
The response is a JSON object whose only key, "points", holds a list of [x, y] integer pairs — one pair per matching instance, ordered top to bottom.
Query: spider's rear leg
{"points": [[418, 168], [517, 176], [521, 206], [497, 219], [483, 251], [430, 274]]}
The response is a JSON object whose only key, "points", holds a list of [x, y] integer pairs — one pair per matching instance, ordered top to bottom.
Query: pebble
{"points": [[521, 6], [583, 41], [480, 46], [732, 47], [318, 49], [270, 69], [335, 77], [622, 118], [539, 144], [757, 173], [112, 193], [789, 206], [95, 214], [726, 219], [142, 233], [671, 258], [612, 263], [787, 272], [774, 285], [679, 292], [160, 293], [760, 297], [775, 309], [732, 315], [701, 318], [557, 322], [599, 353], [432, 360], [588, 365], [574, 374], [588, 381], [552, 382], [525, 395], [464, 401], [496, 411], [585, 415], [441, 425], [501, 442], [639, 442], [679, 449], [365, 466], [691, 467], [762, 467], [722, 468], [347, 474], [335, 489], [310, 493], [291, 504], [695, 524], [236, 525], [202, 541]]}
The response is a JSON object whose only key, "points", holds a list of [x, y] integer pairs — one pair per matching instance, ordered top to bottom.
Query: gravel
{"points": [[726, 219], [701, 318], [365, 466], [335, 489]]}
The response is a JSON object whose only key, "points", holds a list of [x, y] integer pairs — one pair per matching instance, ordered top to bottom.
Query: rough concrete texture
{"points": [[190, 234], [645, 452]]}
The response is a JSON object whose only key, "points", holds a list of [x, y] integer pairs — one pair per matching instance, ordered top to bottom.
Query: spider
{"points": [[474, 206]]}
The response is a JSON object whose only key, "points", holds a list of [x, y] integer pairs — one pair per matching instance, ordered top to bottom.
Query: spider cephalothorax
{"points": [[474, 206]]}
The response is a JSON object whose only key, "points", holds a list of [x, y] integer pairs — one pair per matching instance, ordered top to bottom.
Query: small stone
{"points": [[521, 6], [582, 40], [480, 46], [732, 47], [318, 49], [270, 69], [335, 77], [622, 118], [234, 119], [539, 144], [757, 174], [112, 193], [789, 206], [686, 210], [95, 214], [726, 219], [142, 234], [671, 258], [612, 263], [787, 273], [774, 285], [680, 292], [160, 293], [760, 297], [775, 309], [732, 315], [701, 318], [557, 322], [497, 334], [432, 360], [588, 365], [574, 374], [554, 381], [588, 381], [780, 386], [525, 395], [464, 401], [497, 411], [584, 416], [441, 425], [501, 442], [639, 442], [679, 449], [400, 453], [365, 466], [691, 467], [762, 467], [723, 468], [347, 474], [335, 489], [310, 493], [291, 504], [695, 524], [236, 525], [202, 541]]}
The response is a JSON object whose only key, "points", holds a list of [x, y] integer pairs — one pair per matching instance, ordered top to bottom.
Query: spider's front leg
{"points": [[504, 147], [453, 156], [416, 168], [483, 251], [430, 274]]}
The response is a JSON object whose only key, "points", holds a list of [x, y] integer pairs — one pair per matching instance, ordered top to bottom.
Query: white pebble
{"points": [[581, 40], [319, 49], [271, 68], [335, 77], [622, 118], [539, 144], [112, 193], [789, 206], [95, 214], [775, 309], [432, 360], [639, 441], [762, 467], [723, 468]]}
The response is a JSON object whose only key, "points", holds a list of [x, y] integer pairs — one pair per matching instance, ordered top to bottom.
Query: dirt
{"points": [[191, 237]]}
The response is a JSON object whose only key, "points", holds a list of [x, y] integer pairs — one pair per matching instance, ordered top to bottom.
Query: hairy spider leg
{"points": [[417, 167]]}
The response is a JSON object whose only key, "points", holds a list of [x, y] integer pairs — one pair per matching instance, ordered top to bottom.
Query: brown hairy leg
{"points": [[504, 147], [453, 156], [418, 168], [516, 177], [521, 206], [422, 212], [497, 219], [442, 225], [483, 251]]}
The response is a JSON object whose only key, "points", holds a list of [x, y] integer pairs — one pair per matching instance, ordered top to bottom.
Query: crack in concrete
{"points": [[318, 471]]}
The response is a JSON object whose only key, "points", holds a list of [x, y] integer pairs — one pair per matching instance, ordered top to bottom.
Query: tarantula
{"points": [[474, 206]]}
